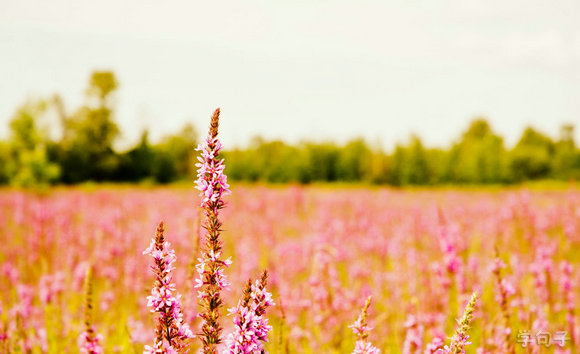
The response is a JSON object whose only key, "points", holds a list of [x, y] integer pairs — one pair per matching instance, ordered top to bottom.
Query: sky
{"points": [[298, 69]]}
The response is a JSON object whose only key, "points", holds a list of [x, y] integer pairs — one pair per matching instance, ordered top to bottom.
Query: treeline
{"points": [[48, 145], [479, 156]]}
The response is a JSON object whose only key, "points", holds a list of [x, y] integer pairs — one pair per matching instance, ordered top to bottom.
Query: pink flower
{"points": [[211, 180], [212, 183], [50, 286], [165, 300], [251, 328], [361, 329], [414, 338], [460, 338], [89, 343], [436, 344], [458, 344], [362, 347]]}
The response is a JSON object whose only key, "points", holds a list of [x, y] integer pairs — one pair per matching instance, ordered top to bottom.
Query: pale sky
{"points": [[303, 69]]}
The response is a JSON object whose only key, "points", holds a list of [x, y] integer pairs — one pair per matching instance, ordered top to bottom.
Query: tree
{"points": [[101, 85], [87, 146], [180, 148], [478, 157], [531, 157], [353, 161], [566, 161], [139, 162], [321, 162], [28, 163], [378, 166], [417, 168], [397, 175]]}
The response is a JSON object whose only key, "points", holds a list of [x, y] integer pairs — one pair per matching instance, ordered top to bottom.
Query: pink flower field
{"points": [[419, 254], [297, 269]]}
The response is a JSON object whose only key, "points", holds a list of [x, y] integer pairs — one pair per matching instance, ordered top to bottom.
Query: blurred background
{"points": [[398, 92]]}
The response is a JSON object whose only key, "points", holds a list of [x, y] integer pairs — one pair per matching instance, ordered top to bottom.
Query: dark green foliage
{"points": [[86, 149], [83, 150], [178, 150], [532, 156], [478, 157], [25, 159], [353, 161], [138, 163]]}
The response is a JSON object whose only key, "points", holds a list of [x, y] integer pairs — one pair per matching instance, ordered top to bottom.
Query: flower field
{"points": [[419, 254]]}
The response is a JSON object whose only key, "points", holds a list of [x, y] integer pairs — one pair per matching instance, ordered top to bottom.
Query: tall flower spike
{"points": [[211, 180], [213, 185], [567, 285], [503, 287], [251, 328], [361, 329], [171, 333], [461, 339], [89, 340]]}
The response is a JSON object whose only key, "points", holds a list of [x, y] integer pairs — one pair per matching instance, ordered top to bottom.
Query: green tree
{"points": [[101, 85], [87, 146], [179, 149], [532, 156], [478, 157], [437, 160], [271, 161], [354, 161], [566, 161], [4, 162], [139, 162], [321, 162], [28, 164], [378, 167], [416, 167], [34, 169], [397, 170]]}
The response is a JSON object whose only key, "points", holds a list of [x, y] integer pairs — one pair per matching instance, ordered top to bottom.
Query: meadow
{"points": [[404, 177], [420, 254]]}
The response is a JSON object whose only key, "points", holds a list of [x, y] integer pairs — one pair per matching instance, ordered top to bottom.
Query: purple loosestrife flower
{"points": [[211, 180], [213, 185], [448, 242], [542, 268], [50, 286], [505, 290], [568, 293], [328, 297], [251, 328], [361, 329], [171, 333], [414, 337], [460, 338], [88, 340], [435, 346]]}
